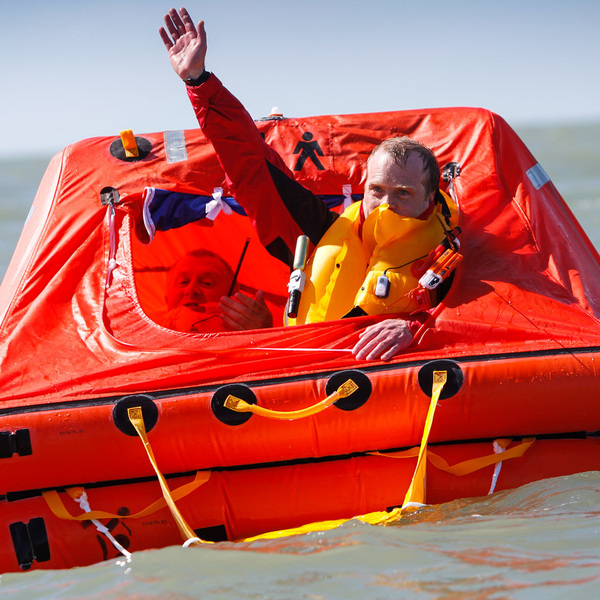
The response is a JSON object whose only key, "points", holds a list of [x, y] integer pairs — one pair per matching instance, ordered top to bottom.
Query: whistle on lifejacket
{"points": [[440, 269], [298, 277]]}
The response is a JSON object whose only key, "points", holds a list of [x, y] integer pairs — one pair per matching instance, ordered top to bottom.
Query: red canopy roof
{"points": [[530, 279]]}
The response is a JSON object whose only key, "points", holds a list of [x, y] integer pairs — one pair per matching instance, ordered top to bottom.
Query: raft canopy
{"points": [[178, 223], [85, 290]]}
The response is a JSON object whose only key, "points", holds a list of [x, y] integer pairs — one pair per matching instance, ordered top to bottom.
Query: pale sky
{"points": [[73, 69]]}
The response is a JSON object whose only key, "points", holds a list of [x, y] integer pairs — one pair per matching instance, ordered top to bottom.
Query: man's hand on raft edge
{"points": [[186, 44], [383, 340]]}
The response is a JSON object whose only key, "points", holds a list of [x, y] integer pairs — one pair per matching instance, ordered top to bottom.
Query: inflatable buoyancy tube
{"points": [[342, 272]]}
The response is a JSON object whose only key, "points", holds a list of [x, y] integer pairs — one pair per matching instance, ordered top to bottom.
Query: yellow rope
{"points": [[238, 405], [135, 416], [467, 466], [416, 491], [414, 495], [56, 505], [384, 517]]}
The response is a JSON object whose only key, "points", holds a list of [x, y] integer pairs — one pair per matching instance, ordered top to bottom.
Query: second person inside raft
{"points": [[200, 297]]}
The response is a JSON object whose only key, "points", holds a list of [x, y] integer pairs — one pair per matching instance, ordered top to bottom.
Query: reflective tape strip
{"points": [[175, 147], [538, 176]]}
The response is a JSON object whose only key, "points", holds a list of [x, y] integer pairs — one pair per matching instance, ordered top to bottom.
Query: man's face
{"points": [[402, 186], [196, 280]]}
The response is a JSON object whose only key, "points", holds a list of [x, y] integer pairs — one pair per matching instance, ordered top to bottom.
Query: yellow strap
{"points": [[239, 405], [135, 416], [468, 466], [416, 490], [58, 508], [383, 517], [374, 518]]}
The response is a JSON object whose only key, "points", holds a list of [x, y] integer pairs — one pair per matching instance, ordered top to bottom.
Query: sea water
{"points": [[539, 541]]}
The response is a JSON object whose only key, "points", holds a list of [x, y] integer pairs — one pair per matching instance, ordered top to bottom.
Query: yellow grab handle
{"points": [[239, 405]]}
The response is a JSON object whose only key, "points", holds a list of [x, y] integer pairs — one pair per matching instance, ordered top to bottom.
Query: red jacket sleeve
{"points": [[279, 207]]}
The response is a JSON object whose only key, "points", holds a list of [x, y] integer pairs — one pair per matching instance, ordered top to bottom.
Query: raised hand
{"points": [[186, 44]]}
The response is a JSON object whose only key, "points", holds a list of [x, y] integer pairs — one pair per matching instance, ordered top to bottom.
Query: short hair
{"points": [[401, 147], [202, 252]]}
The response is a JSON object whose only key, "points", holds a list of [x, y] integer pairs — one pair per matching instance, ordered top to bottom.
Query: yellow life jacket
{"points": [[343, 269]]}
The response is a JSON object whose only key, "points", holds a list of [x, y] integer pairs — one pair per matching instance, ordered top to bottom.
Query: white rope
{"points": [[112, 263], [302, 349], [498, 449], [85, 506]]}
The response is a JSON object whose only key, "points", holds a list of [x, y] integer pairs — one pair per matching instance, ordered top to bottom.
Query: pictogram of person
{"points": [[308, 149]]}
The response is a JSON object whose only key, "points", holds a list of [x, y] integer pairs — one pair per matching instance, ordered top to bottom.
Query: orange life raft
{"points": [[80, 343]]}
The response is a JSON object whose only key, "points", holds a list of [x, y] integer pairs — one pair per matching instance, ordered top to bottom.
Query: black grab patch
{"points": [[144, 148], [454, 379], [358, 397], [149, 413], [226, 415]]}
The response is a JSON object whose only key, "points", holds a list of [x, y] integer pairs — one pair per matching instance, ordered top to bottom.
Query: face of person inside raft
{"points": [[401, 185], [196, 281]]}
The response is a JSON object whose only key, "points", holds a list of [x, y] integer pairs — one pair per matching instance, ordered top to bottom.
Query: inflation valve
{"points": [[130, 148]]}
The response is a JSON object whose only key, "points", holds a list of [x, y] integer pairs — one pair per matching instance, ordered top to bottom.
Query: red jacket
{"points": [[279, 207]]}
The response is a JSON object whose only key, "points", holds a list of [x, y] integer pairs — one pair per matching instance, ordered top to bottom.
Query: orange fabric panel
{"points": [[529, 273], [249, 502]]}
